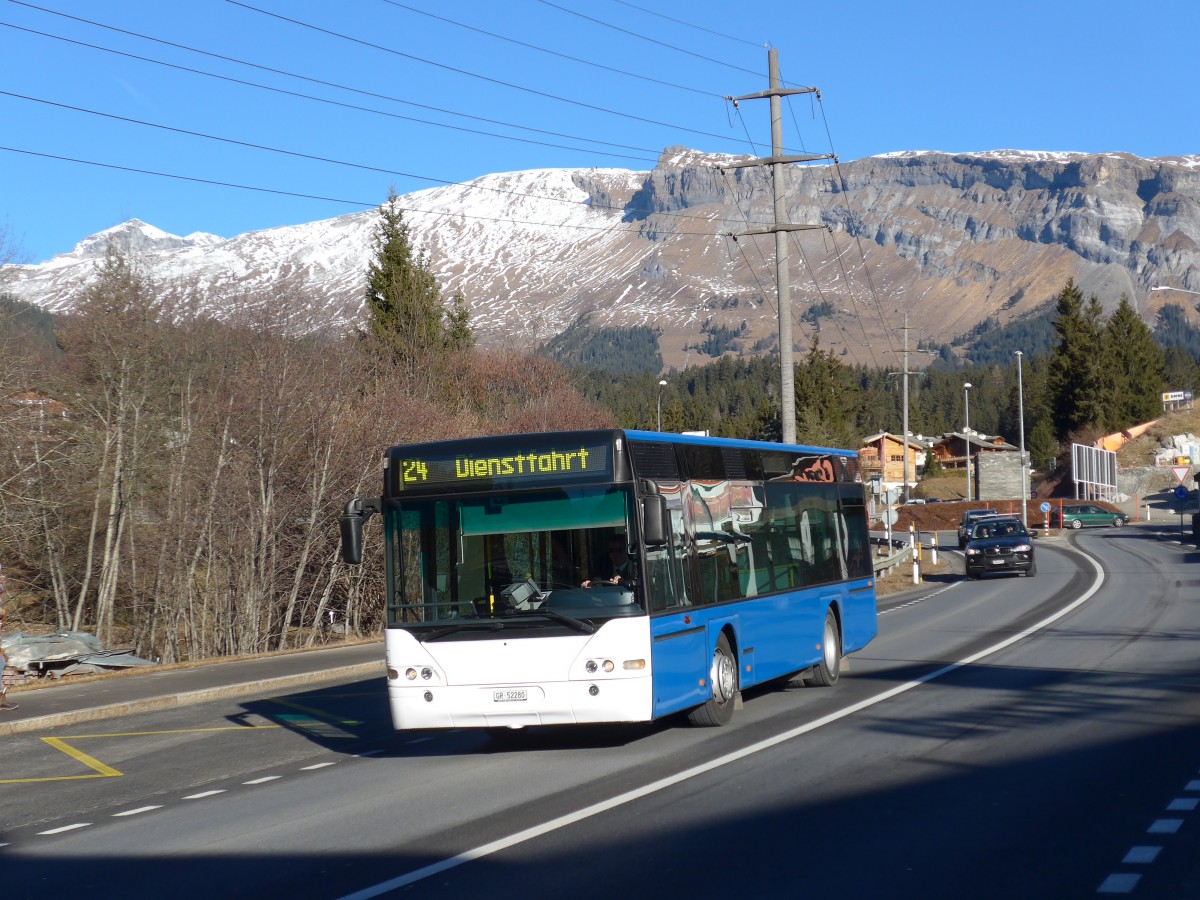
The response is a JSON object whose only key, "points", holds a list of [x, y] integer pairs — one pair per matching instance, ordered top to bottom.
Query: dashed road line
{"points": [[921, 599], [199, 796], [135, 812], [1164, 826], [63, 828], [1142, 854], [1126, 882], [1121, 883]]}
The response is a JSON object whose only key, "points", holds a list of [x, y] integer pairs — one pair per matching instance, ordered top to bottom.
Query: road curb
{"points": [[188, 698]]}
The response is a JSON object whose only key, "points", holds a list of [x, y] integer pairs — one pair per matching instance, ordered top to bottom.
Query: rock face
{"points": [[951, 240]]}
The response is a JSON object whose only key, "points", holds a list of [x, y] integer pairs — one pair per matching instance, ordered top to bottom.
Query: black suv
{"points": [[999, 544]]}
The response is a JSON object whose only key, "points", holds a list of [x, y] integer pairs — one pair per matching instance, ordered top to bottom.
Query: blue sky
{"points": [[340, 98]]}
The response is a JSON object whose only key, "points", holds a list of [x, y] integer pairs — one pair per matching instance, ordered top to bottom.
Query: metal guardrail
{"points": [[889, 554]]}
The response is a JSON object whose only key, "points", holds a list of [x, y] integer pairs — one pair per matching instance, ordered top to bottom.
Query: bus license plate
{"points": [[508, 696]]}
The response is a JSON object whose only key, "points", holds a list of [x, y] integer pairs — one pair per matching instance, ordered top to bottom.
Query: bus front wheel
{"points": [[826, 672], [724, 677]]}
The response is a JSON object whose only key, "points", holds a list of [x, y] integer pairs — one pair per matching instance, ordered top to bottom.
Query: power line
{"points": [[640, 37], [728, 37], [546, 50], [311, 80], [496, 81], [331, 161]]}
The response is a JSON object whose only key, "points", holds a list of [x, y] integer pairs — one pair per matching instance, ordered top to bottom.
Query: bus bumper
{"points": [[626, 699]]}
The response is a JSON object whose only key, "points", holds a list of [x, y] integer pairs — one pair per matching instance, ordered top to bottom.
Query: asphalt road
{"points": [[1006, 738]]}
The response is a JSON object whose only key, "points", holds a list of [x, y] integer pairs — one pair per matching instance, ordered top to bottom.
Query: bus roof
{"points": [[707, 440]]}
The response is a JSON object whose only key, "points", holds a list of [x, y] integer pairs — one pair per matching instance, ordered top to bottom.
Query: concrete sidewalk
{"points": [[66, 702]]}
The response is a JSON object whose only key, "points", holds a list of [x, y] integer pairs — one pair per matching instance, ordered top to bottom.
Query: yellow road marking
{"points": [[314, 721], [90, 761], [101, 770]]}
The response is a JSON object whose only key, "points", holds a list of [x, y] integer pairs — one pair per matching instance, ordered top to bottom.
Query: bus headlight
{"points": [[590, 665], [608, 665], [633, 665], [410, 673], [426, 673]]}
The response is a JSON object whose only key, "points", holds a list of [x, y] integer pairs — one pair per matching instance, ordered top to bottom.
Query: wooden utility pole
{"points": [[787, 374]]}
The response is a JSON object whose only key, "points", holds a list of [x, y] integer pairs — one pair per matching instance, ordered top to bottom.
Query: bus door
{"points": [[679, 648]]}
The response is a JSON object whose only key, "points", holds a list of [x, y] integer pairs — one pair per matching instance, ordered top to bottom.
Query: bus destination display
{"points": [[515, 466]]}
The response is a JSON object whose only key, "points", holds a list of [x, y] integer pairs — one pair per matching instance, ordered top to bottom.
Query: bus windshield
{"points": [[558, 558]]}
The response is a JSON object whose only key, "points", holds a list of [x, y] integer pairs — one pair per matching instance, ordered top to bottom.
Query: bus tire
{"points": [[826, 672], [723, 676]]}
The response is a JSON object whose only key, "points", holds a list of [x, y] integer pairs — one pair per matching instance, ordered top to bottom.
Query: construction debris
{"points": [[62, 654]]}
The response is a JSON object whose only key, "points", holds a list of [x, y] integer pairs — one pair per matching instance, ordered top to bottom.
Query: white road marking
{"points": [[921, 599], [317, 766], [263, 780], [1193, 786], [202, 795], [620, 800], [1182, 804], [134, 812], [1164, 826], [66, 828], [1141, 854], [1119, 883]]}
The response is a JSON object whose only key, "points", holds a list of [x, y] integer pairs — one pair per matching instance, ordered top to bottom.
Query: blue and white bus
{"points": [[613, 576]]}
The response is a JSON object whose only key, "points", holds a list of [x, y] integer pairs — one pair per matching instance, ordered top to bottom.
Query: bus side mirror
{"points": [[355, 513], [654, 516]]}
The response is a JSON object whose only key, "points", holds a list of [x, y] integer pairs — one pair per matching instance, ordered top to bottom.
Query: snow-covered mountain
{"points": [[951, 239]]}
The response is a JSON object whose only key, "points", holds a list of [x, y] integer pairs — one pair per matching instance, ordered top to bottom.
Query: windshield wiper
{"points": [[571, 621], [477, 625]]}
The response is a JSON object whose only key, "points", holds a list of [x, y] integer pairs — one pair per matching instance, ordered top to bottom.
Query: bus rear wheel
{"points": [[826, 672], [724, 678]]}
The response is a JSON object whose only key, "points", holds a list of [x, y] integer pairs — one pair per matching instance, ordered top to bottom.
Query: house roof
{"points": [[975, 439], [914, 440]]}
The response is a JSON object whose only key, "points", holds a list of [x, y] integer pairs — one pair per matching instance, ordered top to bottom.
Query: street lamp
{"points": [[662, 384], [1021, 418], [967, 432]]}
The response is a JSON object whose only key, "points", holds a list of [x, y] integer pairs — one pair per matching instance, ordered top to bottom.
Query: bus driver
{"points": [[616, 567]]}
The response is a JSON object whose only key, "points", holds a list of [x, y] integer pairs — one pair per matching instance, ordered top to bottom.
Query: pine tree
{"points": [[405, 313], [459, 335], [1136, 365], [1075, 387], [1095, 387], [825, 407], [1041, 444]]}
